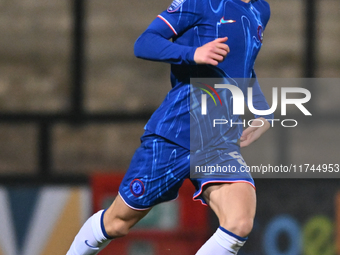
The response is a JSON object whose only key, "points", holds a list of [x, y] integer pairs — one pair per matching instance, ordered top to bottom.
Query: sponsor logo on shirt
{"points": [[228, 21]]}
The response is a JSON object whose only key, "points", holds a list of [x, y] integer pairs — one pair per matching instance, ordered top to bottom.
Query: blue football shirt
{"points": [[191, 24]]}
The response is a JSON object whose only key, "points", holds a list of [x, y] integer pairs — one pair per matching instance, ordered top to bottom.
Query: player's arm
{"points": [[154, 43], [259, 101], [261, 124], [251, 134]]}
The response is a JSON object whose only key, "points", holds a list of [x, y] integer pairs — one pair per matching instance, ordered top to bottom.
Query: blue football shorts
{"points": [[159, 168]]}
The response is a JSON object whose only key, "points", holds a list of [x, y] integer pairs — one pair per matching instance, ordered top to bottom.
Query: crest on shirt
{"points": [[175, 5], [260, 33], [137, 187]]}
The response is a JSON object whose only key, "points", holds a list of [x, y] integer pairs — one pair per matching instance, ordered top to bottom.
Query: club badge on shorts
{"points": [[137, 187]]}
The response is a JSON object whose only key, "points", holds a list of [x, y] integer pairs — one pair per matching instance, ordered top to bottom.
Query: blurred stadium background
{"points": [[73, 103]]}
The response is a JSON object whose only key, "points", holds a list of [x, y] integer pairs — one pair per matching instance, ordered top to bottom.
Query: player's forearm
{"points": [[152, 46], [259, 101]]}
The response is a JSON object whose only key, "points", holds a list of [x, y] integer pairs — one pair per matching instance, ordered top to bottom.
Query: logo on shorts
{"points": [[260, 33], [137, 187]]}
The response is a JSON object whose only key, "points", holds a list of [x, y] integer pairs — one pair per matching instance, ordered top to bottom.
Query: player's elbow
{"points": [[142, 46], [138, 48]]}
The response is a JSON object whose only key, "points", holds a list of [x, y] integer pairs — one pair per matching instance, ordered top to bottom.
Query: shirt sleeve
{"points": [[264, 8], [154, 43], [259, 100]]}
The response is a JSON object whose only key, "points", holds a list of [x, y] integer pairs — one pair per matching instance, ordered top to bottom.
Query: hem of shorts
{"points": [[217, 181], [132, 207], [146, 208]]}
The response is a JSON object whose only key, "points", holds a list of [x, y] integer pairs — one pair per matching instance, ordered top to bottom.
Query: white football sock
{"points": [[91, 238], [222, 242]]}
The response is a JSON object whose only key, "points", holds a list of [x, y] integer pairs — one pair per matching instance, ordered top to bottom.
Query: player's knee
{"points": [[241, 226], [245, 226], [117, 228]]}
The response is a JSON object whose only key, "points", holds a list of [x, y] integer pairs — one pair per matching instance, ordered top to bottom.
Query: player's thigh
{"points": [[156, 172], [233, 203], [119, 217]]}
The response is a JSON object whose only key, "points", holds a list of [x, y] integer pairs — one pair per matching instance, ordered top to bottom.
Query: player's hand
{"points": [[212, 53], [251, 134]]}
